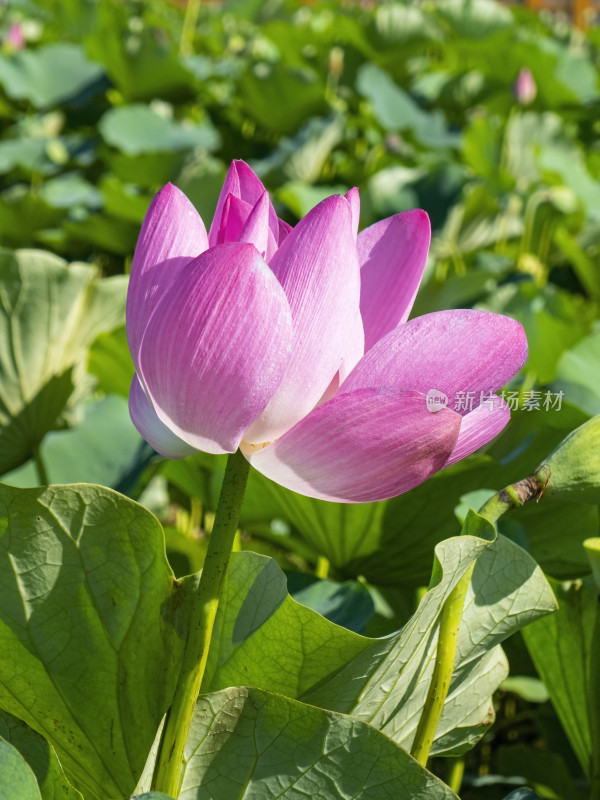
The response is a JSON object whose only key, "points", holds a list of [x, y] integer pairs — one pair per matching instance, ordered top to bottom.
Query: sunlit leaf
{"points": [[137, 129], [49, 314], [110, 362], [103, 448], [90, 627], [268, 640], [560, 647], [248, 742]]}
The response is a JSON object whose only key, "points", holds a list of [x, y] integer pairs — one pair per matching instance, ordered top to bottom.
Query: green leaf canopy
{"points": [[50, 313], [90, 629]]}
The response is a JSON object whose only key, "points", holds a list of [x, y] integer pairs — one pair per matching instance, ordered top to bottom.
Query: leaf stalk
{"points": [[450, 618], [168, 775]]}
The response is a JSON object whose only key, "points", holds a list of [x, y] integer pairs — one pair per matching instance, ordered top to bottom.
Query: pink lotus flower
{"points": [[293, 345]]}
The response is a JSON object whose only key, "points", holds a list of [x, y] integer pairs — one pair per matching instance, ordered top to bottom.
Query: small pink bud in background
{"points": [[14, 38], [525, 87]]}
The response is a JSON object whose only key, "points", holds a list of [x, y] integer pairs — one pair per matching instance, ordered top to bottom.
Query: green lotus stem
{"points": [[192, 11], [40, 466], [511, 497], [592, 548], [322, 568], [442, 671], [594, 710], [455, 774], [168, 775]]}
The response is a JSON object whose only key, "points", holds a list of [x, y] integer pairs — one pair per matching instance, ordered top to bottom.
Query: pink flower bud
{"points": [[525, 87]]}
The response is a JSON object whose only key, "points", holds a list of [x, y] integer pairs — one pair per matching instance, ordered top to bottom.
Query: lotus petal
{"points": [[241, 183], [354, 199], [234, 217], [256, 230], [172, 235], [392, 256], [317, 265], [217, 347], [460, 353], [479, 427], [151, 428], [367, 445]]}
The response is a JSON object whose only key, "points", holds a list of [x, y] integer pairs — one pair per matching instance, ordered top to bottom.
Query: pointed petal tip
{"points": [[169, 190], [353, 199], [173, 204], [335, 206], [479, 427]]}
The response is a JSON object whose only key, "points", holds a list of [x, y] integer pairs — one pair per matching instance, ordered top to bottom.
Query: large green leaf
{"points": [[474, 19], [142, 65], [49, 75], [282, 97], [395, 110], [137, 129], [29, 153], [49, 315], [111, 363], [578, 373], [105, 448], [508, 590], [349, 604], [90, 629], [269, 640], [560, 647], [289, 649], [245, 743], [41, 758], [545, 770], [16, 776], [152, 796]]}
